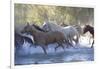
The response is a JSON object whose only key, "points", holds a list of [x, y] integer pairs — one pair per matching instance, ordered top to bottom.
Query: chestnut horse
{"points": [[91, 30], [45, 38]]}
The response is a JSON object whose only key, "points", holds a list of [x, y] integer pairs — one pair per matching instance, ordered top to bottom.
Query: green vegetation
{"points": [[39, 13]]}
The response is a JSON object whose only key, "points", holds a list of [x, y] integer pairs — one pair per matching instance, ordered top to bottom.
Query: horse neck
{"points": [[36, 32]]}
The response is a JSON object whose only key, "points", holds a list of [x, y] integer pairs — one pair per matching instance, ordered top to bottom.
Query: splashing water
{"points": [[31, 55]]}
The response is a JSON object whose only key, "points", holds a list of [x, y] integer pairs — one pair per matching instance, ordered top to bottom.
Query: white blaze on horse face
{"points": [[44, 23], [45, 27], [29, 36], [32, 38]]}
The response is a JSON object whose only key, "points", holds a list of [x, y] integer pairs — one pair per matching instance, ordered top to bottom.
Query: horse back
{"points": [[56, 35]]}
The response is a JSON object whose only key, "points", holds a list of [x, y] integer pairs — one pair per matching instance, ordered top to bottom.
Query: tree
{"points": [[61, 14]]}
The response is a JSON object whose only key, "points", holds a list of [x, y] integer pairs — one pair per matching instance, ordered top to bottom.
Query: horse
{"points": [[40, 29], [91, 30], [69, 32], [45, 38], [20, 39]]}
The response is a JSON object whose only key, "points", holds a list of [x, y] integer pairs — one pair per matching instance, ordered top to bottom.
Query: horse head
{"points": [[46, 27], [86, 28], [27, 29]]}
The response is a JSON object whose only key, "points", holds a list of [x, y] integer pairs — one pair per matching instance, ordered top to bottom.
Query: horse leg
{"points": [[68, 42], [92, 44], [59, 45], [71, 45], [62, 47], [56, 48], [44, 50]]}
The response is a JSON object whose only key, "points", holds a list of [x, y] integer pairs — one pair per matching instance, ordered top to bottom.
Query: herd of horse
{"points": [[52, 33]]}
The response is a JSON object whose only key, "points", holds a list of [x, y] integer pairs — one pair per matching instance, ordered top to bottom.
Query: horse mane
{"points": [[38, 28], [89, 28], [35, 30]]}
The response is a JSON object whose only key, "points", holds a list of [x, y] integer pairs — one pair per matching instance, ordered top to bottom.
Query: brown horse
{"points": [[40, 29], [91, 30], [45, 38]]}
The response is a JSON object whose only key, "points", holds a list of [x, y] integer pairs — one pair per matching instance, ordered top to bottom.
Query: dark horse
{"points": [[91, 30], [45, 38], [19, 39]]}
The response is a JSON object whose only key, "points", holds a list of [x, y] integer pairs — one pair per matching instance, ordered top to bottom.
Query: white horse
{"points": [[79, 29], [70, 32]]}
